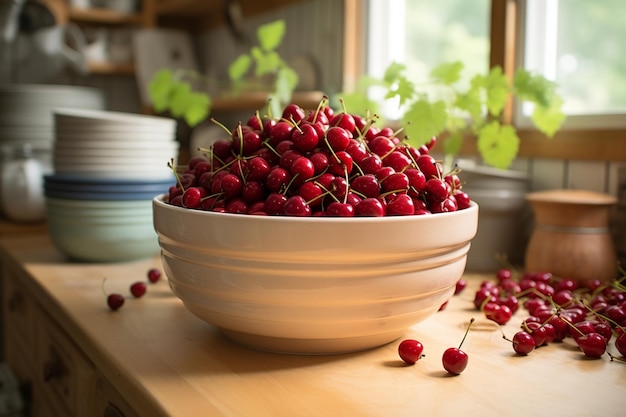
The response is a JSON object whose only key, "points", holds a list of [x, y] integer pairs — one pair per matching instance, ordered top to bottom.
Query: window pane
{"points": [[423, 34], [580, 44]]}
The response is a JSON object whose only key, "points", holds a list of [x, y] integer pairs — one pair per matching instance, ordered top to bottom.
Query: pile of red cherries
{"points": [[317, 163], [592, 313]]}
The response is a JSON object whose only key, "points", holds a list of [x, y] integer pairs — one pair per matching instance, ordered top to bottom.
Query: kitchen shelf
{"points": [[187, 8], [194, 8], [104, 16], [110, 68], [257, 100]]}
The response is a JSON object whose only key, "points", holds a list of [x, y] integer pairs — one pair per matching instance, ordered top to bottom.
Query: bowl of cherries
{"points": [[314, 233]]}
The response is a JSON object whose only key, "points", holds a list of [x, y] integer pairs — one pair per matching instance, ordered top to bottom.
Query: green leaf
{"points": [[270, 35], [267, 63], [239, 67], [393, 72], [447, 73], [288, 78], [286, 81], [365, 82], [533, 88], [159, 89], [403, 89], [497, 91], [180, 96], [357, 102], [471, 102], [274, 104], [198, 108], [549, 119], [423, 120], [453, 143], [498, 145]]}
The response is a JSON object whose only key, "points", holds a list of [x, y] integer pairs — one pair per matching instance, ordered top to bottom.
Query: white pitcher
{"points": [[40, 49], [45, 53], [21, 188]]}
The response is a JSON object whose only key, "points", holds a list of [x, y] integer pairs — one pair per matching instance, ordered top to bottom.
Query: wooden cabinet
{"points": [[57, 379]]}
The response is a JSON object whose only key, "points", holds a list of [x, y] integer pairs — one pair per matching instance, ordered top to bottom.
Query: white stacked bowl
{"points": [[26, 111], [27, 117], [106, 144]]}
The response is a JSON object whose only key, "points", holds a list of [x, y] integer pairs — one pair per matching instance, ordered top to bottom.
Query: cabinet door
{"points": [[18, 310], [65, 374], [109, 402]]}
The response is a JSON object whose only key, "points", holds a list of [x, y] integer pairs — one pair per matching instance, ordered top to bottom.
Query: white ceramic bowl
{"points": [[105, 119], [115, 136], [125, 171], [102, 231], [312, 285]]}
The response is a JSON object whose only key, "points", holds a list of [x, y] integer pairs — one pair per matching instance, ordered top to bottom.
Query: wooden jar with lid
{"points": [[571, 237]]}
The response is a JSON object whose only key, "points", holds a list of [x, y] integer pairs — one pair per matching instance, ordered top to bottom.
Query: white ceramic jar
{"points": [[21, 189]]}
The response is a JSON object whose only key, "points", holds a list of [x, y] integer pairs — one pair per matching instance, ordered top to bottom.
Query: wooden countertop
{"points": [[166, 362]]}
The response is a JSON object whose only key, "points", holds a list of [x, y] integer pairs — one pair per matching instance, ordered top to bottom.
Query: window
{"points": [[423, 34], [579, 44]]}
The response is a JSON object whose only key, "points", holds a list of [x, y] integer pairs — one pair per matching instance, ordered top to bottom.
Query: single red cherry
{"points": [[297, 206], [369, 207], [337, 209], [154, 275], [460, 286], [138, 289], [115, 301], [537, 331], [523, 343], [593, 345], [410, 351], [455, 360]]}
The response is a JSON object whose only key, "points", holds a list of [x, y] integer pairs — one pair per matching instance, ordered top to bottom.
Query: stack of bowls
{"points": [[26, 111], [27, 119], [105, 144], [107, 168]]}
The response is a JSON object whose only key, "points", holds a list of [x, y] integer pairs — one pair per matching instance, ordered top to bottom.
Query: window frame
{"points": [[568, 143]]}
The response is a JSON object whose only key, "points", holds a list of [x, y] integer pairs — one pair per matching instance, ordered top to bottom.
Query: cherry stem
{"points": [[321, 104], [343, 105], [269, 108], [258, 117], [220, 124], [240, 135], [172, 166], [345, 197], [102, 287], [602, 316], [574, 327], [466, 331], [504, 335], [615, 358]]}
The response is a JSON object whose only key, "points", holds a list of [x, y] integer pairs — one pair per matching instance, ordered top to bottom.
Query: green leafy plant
{"points": [[174, 90], [441, 105]]}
